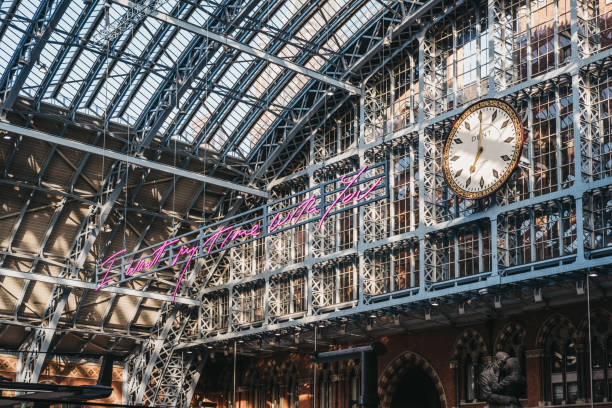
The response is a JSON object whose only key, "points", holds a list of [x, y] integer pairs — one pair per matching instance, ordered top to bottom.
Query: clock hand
{"points": [[478, 153], [473, 166]]}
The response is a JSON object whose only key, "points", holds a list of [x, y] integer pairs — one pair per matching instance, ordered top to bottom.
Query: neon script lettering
{"points": [[346, 198], [229, 234], [141, 264]]}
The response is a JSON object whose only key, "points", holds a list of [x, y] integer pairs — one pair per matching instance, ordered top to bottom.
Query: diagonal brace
{"points": [[244, 48], [129, 159]]}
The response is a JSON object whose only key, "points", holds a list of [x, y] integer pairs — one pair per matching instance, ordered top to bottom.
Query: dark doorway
{"points": [[415, 390]]}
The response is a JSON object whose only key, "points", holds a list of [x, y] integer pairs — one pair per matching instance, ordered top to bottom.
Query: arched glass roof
{"points": [[118, 64]]}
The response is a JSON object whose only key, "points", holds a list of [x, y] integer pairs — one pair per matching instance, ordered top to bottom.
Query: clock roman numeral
{"points": [[494, 115], [504, 124], [509, 139], [505, 157], [454, 158], [458, 173], [495, 173], [468, 181], [481, 181]]}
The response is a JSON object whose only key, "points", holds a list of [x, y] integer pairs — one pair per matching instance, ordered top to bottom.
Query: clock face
{"points": [[483, 148]]}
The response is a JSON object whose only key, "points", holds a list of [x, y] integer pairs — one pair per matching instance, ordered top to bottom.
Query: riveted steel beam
{"points": [[245, 48], [28, 52], [129, 159], [76, 283]]}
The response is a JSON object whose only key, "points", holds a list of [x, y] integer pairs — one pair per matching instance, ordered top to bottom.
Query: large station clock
{"points": [[482, 149]]}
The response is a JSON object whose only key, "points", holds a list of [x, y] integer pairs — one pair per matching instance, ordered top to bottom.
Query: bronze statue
{"points": [[501, 382]]}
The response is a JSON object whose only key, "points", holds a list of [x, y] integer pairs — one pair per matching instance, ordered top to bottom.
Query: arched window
{"points": [[511, 340], [470, 351], [601, 358], [563, 373], [470, 379], [561, 381]]}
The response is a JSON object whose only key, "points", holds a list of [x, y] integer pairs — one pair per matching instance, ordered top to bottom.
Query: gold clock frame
{"points": [[520, 133]]}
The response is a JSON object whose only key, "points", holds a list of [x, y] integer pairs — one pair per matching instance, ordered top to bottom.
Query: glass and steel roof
{"points": [[107, 61]]}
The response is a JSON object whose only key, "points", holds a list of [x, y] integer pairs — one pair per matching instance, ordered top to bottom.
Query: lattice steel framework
{"points": [[419, 66], [423, 242]]}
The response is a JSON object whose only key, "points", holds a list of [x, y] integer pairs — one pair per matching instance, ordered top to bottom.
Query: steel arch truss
{"points": [[544, 225]]}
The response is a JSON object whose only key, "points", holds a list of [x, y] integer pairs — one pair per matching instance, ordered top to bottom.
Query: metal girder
{"points": [[10, 12], [126, 21], [405, 23], [164, 28], [328, 30], [245, 48], [372, 50], [27, 54], [150, 55], [111, 66], [67, 69], [89, 78], [179, 81], [125, 86], [206, 86], [219, 115], [128, 159], [114, 183], [47, 188], [569, 191], [234, 207], [24, 208], [58, 211], [143, 234], [111, 237], [77, 283], [361, 310], [32, 323], [41, 338], [150, 353], [148, 362], [30, 363], [190, 380]]}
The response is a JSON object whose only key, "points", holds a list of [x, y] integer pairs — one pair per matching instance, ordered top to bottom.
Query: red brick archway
{"points": [[394, 371]]}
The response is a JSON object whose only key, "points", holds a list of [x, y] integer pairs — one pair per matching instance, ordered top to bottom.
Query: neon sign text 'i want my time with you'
{"points": [[229, 234]]}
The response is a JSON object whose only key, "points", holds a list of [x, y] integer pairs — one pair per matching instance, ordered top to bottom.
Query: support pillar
{"points": [[454, 365], [584, 373], [535, 387]]}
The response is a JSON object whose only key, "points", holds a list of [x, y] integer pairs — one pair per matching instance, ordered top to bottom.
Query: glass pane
{"points": [[609, 352], [598, 355], [571, 358], [556, 359], [469, 382], [599, 390], [572, 392], [557, 393]]}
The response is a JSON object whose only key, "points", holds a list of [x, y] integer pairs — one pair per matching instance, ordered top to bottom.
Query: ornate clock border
{"points": [[518, 140]]}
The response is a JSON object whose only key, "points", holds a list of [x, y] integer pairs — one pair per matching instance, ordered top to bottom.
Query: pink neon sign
{"points": [[229, 234]]}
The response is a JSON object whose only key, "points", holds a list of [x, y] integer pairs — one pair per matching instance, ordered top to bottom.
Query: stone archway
{"points": [[553, 322], [411, 370]]}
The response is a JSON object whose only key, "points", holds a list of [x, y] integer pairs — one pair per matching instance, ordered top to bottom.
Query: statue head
{"points": [[500, 358], [512, 366]]}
